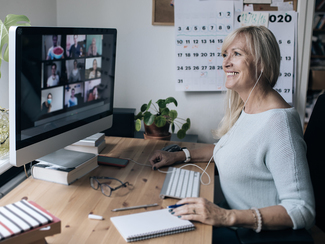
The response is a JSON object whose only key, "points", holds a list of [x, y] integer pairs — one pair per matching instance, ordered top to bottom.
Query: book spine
{"points": [[320, 5], [316, 20]]}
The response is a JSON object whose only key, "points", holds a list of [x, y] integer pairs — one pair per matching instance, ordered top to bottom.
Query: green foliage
{"points": [[10, 20], [161, 116]]}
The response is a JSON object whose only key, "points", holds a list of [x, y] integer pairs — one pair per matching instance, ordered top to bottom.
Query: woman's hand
{"points": [[162, 158], [202, 210]]}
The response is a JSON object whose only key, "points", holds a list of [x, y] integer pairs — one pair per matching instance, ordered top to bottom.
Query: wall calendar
{"points": [[200, 28]]}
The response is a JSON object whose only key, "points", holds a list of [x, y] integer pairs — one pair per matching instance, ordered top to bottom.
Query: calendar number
{"points": [[273, 18], [280, 18]]}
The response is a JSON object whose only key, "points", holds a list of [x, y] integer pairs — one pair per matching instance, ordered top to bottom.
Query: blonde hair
{"points": [[261, 43]]}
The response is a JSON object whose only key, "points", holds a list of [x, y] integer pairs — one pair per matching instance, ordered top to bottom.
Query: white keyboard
{"points": [[181, 183]]}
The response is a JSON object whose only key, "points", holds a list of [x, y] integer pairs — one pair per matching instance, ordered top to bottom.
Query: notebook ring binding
{"points": [[164, 232]]}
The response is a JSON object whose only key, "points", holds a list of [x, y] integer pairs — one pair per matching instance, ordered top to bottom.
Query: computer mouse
{"points": [[172, 148]]}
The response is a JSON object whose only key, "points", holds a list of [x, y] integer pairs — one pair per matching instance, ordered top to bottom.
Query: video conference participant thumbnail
{"points": [[94, 45], [76, 46], [52, 49], [93, 68], [75, 70], [52, 71], [92, 90], [74, 94], [51, 100]]}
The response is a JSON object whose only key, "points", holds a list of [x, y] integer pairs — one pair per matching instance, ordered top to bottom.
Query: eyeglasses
{"points": [[105, 188]]}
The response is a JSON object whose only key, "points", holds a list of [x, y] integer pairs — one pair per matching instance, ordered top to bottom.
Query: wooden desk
{"points": [[73, 203]]}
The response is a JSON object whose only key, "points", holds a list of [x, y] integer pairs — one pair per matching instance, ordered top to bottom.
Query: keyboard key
{"points": [[181, 183]]}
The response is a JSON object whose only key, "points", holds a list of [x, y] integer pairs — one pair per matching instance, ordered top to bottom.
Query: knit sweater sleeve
{"points": [[286, 160]]}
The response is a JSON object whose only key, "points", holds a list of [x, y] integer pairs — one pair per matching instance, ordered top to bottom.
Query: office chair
{"points": [[315, 139]]}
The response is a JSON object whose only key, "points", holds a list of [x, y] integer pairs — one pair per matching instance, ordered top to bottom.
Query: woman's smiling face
{"points": [[239, 65]]}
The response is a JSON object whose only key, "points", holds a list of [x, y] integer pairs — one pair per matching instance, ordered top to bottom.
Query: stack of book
{"points": [[92, 144], [64, 166]]}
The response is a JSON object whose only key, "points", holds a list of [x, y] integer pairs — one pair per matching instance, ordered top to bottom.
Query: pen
{"points": [[175, 206], [134, 207]]}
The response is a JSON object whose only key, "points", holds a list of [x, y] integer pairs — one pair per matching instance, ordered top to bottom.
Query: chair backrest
{"points": [[315, 139]]}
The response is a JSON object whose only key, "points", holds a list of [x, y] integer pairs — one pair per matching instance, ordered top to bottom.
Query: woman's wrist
{"points": [[180, 156], [241, 218]]}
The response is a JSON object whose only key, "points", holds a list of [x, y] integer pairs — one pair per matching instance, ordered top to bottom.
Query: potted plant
{"points": [[10, 20], [158, 122]]}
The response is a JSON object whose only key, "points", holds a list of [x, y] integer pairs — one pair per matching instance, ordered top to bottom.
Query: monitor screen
{"points": [[61, 87]]}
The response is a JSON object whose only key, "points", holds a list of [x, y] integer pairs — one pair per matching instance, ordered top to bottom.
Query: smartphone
{"points": [[118, 162]]}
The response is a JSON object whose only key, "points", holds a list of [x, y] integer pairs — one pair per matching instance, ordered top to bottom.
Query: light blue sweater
{"points": [[262, 162]]}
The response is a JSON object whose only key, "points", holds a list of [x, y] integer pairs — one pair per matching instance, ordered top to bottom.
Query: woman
{"points": [[74, 73], [94, 73], [261, 156]]}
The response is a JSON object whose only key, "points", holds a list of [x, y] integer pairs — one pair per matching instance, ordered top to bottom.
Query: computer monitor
{"points": [[61, 83]]}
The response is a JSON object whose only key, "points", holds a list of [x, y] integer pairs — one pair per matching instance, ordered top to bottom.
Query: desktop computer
{"points": [[61, 87]]}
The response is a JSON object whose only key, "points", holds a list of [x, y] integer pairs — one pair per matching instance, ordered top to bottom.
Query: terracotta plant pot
{"points": [[157, 133]]}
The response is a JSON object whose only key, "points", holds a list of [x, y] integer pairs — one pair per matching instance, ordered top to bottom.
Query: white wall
{"points": [[39, 12], [145, 55], [145, 59]]}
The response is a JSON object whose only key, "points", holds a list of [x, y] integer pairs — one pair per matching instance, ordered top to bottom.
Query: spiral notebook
{"points": [[151, 224]]}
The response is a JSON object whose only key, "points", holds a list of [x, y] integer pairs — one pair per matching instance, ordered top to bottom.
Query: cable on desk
{"points": [[167, 172]]}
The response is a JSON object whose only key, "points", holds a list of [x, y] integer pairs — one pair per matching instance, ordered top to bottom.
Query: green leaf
{"points": [[13, 19], [10, 20], [4, 38], [171, 100], [161, 103], [149, 104], [143, 107], [165, 111], [173, 114], [138, 116], [148, 118], [160, 121], [188, 121], [137, 124], [185, 126], [173, 127], [181, 134]]}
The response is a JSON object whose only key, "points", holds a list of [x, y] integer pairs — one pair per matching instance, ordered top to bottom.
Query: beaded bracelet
{"points": [[258, 219]]}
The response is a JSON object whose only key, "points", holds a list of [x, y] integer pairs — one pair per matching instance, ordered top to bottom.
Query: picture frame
{"points": [[162, 12]]}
